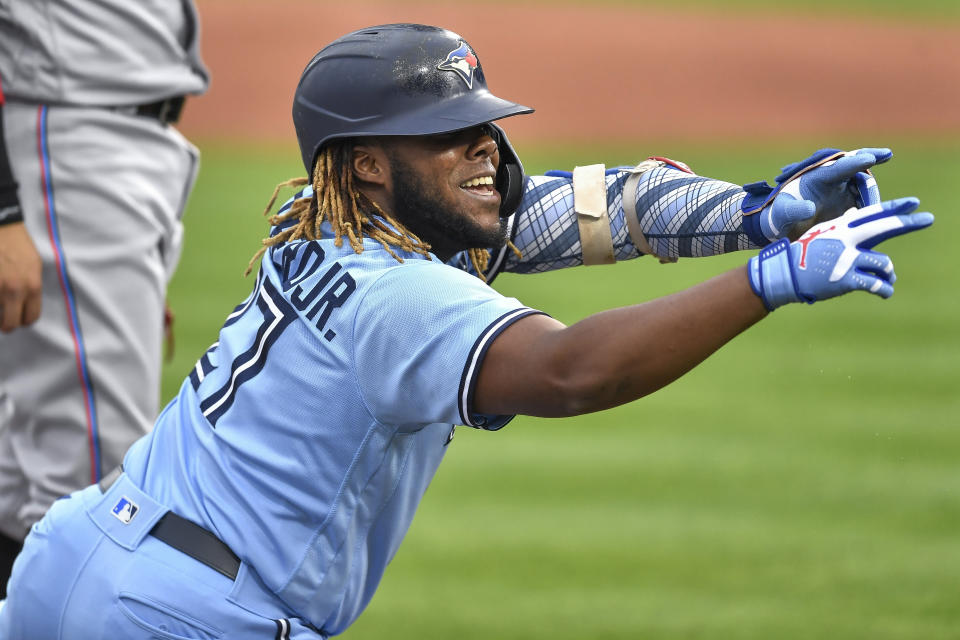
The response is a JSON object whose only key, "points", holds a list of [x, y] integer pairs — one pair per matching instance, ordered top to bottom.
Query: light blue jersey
{"points": [[307, 435]]}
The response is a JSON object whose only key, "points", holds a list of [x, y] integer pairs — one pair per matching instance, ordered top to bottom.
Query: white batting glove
{"points": [[835, 256]]}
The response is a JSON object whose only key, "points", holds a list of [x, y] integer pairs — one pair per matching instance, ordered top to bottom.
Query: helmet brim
{"points": [[462, 112]]}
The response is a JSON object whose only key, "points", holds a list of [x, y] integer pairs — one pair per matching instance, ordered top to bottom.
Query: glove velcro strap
{"points": [[760, 194], [590, 204], [630, 204], [772, 276]]}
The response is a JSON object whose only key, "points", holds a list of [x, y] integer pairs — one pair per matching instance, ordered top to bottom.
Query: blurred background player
{"points": [[99, 180]]}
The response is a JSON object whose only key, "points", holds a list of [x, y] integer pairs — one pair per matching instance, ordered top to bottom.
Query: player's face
{"points": [[443, 189]]}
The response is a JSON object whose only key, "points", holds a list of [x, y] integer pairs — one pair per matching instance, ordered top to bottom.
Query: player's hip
{"points": [[94, 568]]}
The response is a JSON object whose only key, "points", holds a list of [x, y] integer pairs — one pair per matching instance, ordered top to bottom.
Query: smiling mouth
{"points": [[482, 186]]}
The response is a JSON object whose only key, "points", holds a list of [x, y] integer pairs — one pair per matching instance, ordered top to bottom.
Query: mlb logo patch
{"points": [[125, 510]]}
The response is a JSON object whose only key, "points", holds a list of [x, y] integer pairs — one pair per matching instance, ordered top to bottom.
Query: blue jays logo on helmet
{"points": [[463, 61]]}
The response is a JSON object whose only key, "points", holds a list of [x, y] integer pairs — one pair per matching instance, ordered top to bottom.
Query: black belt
{"points": [[167, 111], [188, 537]]}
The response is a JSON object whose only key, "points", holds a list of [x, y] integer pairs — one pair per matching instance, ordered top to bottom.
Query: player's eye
{"points": [[446, 137]]}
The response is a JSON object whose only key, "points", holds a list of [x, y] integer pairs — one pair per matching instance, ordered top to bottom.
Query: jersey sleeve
{"points": [[420, 336]]}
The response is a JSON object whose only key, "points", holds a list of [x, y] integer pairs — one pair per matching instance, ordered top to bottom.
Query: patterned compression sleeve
{"points": [[682, 215]]}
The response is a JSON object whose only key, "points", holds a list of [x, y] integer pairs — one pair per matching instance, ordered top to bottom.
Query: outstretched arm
{"points": [[678, 214], [540, 367]]}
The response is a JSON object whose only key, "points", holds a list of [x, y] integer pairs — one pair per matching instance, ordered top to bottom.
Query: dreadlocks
{"points": [[336, 200], [351, 214], [480, 259]]}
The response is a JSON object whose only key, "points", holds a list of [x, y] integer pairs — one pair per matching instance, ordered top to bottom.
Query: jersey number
{"points": [[277, 314]]}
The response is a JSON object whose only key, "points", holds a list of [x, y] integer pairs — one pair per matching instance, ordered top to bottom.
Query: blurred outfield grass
{"points": [[801, 483]]}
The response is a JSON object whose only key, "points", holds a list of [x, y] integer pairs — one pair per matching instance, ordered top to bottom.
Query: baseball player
{"points": [[91, 207], [277, 486]]}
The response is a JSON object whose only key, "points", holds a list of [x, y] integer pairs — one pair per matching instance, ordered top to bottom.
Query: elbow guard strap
{"points": [[590, 204], [630, 204]]}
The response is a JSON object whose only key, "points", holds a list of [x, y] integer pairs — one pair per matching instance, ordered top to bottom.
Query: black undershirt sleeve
{"points": [[10, 211]]}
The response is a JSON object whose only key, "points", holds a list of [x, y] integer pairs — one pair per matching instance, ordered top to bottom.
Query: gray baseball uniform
{"points": [[91, 89]]}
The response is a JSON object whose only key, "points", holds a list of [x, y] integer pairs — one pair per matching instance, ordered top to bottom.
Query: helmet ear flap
{"points": [[510, 179], [510, 185]]}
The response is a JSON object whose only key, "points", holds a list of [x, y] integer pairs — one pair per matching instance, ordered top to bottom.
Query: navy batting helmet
{"points": [[402, 80]]}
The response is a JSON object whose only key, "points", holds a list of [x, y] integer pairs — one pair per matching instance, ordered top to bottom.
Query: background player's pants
{"points": [[102, 194], [85, 575]]}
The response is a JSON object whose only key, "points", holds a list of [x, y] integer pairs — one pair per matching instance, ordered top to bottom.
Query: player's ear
{"points": [[370, 163]]}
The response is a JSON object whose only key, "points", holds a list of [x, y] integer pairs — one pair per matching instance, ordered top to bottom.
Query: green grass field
{"points": [[802, 483]]}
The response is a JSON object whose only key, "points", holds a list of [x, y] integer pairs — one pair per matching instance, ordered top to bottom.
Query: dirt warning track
{"points": [[611, 72]]}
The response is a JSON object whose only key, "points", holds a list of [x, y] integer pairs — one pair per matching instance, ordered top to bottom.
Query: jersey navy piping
{"points": [[241, 308], [249, 363], [203, 367], [468, 381]]}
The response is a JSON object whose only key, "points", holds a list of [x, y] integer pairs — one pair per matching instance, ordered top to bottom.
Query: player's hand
{"points": [[822, 193], [836, 256], [20, 279]]}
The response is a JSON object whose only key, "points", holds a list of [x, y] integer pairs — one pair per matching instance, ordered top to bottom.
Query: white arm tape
{"points": [[590, 203], [630, 208]]}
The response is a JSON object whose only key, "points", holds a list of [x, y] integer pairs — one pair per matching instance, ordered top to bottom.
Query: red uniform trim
{"points": [[676, 164], [66, 288]]}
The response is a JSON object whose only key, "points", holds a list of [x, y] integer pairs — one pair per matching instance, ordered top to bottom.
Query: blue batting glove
{"points": [[822, 193], [835, 256]]}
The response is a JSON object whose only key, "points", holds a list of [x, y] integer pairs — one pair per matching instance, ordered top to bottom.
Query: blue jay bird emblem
{"points": [[462, 61]]}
